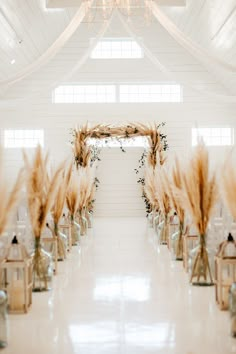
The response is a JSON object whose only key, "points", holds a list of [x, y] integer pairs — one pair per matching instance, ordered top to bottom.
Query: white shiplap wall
{"points": [[119, 193]]}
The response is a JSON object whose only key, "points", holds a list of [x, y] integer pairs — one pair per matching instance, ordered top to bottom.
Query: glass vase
{"points": [[89, 218], [150, 219], [156, 222], [83, 223], [163, 230], [75, 232], [61, 244], [177, 244], [199, 264], [42, 268], [3, 319]]}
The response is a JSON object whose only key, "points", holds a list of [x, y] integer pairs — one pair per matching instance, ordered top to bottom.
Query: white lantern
{"points": [[16, 279]]}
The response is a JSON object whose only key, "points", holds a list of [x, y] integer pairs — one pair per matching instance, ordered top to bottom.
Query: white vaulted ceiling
{"points": [[211, 23], [28, 28]]}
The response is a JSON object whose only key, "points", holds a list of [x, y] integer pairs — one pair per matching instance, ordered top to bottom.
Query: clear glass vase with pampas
{"points": [[86, 177], [172, 184], [228, 190], [150, 191], [41, 192], [199, 195], [72, 202], [164, 204], [57, 209]]}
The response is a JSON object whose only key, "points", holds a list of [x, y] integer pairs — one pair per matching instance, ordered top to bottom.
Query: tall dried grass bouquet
{"points": [[228, 178], [40, 190], [199, 196]]}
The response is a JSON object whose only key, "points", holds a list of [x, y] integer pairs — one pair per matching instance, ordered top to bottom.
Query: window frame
{"points": [[117, 40], [166, 90], [83, 91], [212, 135], [21, 138]]}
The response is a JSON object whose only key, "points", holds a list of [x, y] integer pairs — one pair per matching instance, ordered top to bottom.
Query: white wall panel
{"points": [[119, 194]]}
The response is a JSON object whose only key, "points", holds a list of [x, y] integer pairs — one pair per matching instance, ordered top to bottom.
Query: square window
{"points": [[123, 48], [213, 136], [23, 138]]}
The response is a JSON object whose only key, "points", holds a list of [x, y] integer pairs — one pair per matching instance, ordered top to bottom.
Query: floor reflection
{"points": [[132, 288], [97, 332], [154, 335]]}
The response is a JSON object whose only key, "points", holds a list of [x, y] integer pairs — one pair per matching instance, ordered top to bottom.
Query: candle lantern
{"points": [[225, 271], [16, 277]]}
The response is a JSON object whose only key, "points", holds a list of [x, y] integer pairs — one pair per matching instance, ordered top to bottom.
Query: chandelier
{"points": [[107, 7]]}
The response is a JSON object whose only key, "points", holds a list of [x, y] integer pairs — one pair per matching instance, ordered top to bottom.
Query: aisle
{"points": [[121, 294]]}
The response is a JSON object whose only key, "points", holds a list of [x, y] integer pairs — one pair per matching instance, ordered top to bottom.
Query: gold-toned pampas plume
{"points": [[152, 132], [81, 148], [86, 177], [228, 178], [173, 185], [150, 187], [40, 190], [200, 191], [162, 192], [60, 195], [72, 195], [91, 197], [199, 197], [8, 199], [164, 205]]}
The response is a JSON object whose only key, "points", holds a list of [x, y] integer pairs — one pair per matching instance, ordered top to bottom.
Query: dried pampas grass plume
{"points": [[156, 140], [86, 177], [228, 178], [174, 185], [150, 187], [40, 189], [200, 191], [162, 192], [60, 195], [72, 195]]}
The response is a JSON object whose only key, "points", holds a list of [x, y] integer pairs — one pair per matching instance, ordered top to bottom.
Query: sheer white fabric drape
{"points": [[192, 47], [52, 50], [167, 72], [62, 78], [11, 88]]}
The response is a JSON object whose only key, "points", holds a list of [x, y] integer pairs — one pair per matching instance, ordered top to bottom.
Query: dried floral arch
{"points": [[156, 139]]}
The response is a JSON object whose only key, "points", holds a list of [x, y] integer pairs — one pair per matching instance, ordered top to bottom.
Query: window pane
{"points": [[117, 48], [149, 93], [86, 94], [213, 136], [23, 138], [140, 141]]}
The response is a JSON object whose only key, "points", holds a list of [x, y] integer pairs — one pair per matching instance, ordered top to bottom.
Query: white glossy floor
{"points": [[121, 294]]}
